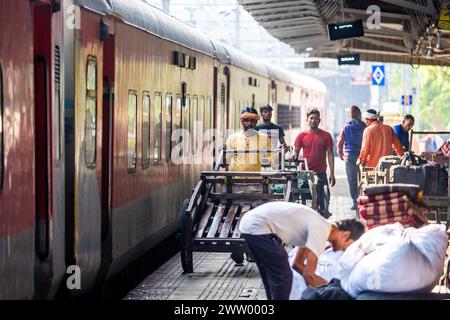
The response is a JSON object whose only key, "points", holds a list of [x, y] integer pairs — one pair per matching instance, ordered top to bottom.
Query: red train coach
{"points": [[31, 149]]}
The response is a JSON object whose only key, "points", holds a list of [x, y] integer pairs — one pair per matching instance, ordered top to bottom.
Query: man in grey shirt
{"points": [[269, 225]]}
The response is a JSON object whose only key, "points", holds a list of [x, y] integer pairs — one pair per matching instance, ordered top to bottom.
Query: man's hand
{"points": [[341, 156], [332, 180]]}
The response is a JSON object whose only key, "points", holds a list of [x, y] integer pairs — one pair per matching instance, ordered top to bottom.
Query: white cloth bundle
{"points": [[391, 258], [326, 269]]}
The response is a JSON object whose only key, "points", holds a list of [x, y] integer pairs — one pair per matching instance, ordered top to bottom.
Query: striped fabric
{"points": [[411, 190], [387, 197], [383, 207]]}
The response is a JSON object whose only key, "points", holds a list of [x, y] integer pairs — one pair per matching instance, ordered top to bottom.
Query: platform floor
{"points": [[216, 277]]}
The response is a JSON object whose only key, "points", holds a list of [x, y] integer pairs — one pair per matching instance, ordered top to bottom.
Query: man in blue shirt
{"points": [[402, 130], [349, 146]]}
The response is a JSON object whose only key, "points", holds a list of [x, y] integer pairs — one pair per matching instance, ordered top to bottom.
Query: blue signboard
{"points": [[378, 75], [407, 100]]}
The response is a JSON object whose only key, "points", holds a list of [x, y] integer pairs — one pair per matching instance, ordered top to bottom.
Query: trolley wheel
{"points": [[186, 230]]}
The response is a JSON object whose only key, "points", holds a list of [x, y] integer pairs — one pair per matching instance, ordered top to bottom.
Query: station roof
{"points": [[408, 32]]}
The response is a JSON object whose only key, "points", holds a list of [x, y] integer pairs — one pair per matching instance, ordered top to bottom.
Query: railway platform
{"points": [[216, 276]]}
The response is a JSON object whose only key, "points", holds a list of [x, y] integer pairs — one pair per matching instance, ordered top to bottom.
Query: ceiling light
{"points": [[438, 44], [309, 49]]}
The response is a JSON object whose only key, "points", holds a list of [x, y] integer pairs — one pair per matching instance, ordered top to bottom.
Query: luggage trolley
{"points": [[440, 204], [210, 218]]}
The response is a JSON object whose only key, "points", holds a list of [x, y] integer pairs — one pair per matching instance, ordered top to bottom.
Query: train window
{"points": [[58, 102], [91, 112], [201, 113], [187, 114], [195, 114], [209, 114], [237, 116], [168, 117], [1, 129], [146, 129], [156, 129], [132, 131]]}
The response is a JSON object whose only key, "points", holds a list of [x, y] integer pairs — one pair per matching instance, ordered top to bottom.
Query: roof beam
{"points": [[278, 4], [428, 9], [286, 11], [383, 14], [300, 21], [383, 44]]}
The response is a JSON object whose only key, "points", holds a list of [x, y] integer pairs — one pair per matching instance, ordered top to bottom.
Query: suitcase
{"points": [[387, 162], [408, 174], [436, 180]]}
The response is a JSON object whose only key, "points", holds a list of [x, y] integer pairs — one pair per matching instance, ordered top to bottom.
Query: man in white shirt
{"points": [[269, 225]]}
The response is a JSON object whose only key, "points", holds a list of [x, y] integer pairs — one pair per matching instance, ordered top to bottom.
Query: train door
{"points": [[221, 98], [107, 148], [49, 156], [86, 235]]}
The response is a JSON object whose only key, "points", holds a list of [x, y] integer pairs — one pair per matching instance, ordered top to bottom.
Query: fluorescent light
{"points": [[309, 49]]}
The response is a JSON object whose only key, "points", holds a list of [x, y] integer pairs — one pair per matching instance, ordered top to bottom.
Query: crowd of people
{"points": [[269, 226]]}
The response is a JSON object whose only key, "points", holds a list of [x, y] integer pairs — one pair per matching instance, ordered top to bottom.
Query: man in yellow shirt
{"points": [[247, 139]]}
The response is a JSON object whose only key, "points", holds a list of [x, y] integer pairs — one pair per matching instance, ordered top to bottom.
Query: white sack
{"points": [[393, 259], [326, 269]]}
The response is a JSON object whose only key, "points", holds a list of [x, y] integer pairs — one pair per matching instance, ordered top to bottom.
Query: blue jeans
{"points": [[352, 169]]}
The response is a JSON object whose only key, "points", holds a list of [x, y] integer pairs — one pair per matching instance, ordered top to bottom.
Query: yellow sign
{"points": [[444, 19]]}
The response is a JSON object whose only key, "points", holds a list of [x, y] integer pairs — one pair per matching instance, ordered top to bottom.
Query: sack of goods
{"points": [[390, 203], [394, 259]]}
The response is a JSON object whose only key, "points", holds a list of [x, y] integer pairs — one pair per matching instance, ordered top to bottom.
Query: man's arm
{"points": [[397, 144], [340, 145], [365, 147], [330, 157], [299, 266]]}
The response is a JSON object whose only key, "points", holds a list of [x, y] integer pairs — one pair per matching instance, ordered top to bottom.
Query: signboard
{"points": [[444, 19], [344, 30], [348, 59], [378, 75], [407, 100]]}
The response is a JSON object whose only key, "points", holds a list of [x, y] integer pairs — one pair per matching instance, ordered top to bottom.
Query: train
{"points": [[91, 93]]}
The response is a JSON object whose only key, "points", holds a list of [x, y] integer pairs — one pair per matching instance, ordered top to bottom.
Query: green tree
{"points": [[434, 107]]}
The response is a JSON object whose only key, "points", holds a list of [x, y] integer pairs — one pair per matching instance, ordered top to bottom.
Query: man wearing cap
{"points": [[402, 130], [275, 132], [247, 139], [378, 140], [349, 147]]}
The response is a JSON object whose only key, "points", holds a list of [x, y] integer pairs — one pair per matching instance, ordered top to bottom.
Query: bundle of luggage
{"points": [[431, 177], [390, 203]]}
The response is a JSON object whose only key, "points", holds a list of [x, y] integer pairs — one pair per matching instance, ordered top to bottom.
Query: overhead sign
{"points": [[444, 19], [344, 30], [348, 59], [311, 64], [378, 75], [407, 100]]}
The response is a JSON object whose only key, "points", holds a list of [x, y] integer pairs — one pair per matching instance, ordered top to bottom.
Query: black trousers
{"points": [[321, 196], [272, 261]]}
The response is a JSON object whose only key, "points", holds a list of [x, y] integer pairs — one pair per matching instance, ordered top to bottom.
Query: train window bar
{"points": [[91, 112], [168, 119], [156, 129], [1, 130], [132, 131], [146, 136]]}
